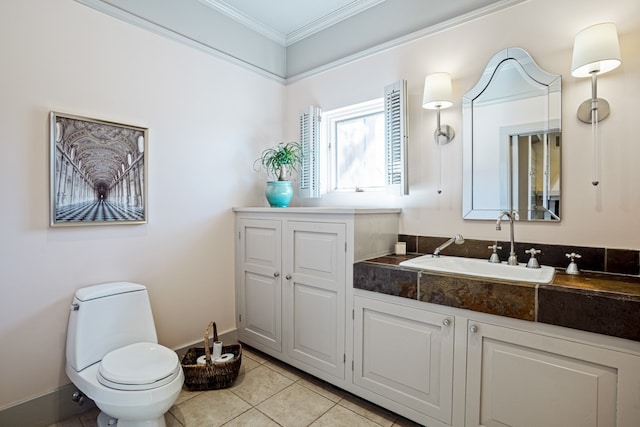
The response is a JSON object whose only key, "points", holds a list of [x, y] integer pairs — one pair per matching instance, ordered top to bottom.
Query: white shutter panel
{"points": [[396, 135], [310, 142]]}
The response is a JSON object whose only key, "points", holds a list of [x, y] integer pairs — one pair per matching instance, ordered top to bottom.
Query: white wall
{"points": [[207, 121], [607, 215]]}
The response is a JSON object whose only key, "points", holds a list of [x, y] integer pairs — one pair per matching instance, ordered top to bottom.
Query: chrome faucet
{"points": [[457, 239], [513, 258]]}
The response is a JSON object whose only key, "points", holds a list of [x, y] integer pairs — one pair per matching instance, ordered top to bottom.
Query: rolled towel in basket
{"points": [[225, 357], [202, 360]]}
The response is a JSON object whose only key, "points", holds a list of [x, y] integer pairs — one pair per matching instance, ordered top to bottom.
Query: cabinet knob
{"points": [[276, 274], [288, 277], [446, 322], [473, 329]]}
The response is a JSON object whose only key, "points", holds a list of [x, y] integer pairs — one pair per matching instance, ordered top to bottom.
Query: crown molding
{"points": [[330, 19], [249, 22], [154, 27], [425, 32], [285, 40], [286, 77]]}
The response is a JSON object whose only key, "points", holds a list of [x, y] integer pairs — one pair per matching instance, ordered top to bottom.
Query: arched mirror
{"points": [[512, 141]]}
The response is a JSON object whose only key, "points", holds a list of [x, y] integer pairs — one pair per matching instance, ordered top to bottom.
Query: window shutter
{"points": [[396, 135], [310, 142]]}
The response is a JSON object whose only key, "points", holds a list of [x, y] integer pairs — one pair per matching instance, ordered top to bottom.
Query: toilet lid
{"points": [[138, 366]]}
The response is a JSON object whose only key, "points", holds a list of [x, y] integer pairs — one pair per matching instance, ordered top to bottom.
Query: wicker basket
{"points": [[212, 375]]}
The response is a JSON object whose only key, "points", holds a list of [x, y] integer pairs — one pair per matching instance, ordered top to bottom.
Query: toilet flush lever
{"points": [[74, 307]]}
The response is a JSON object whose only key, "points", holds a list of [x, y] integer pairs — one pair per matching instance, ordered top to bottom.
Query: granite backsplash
{"points": [[615, 261]]}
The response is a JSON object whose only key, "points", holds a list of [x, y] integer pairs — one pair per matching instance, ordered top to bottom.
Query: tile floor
{"points": [[268, 393]]}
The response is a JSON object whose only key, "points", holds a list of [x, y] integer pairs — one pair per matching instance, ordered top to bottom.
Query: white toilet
{"points": [[114, 358]]}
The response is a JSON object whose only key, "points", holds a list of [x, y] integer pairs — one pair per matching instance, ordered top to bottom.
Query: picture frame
{"points": [[98, 172]]}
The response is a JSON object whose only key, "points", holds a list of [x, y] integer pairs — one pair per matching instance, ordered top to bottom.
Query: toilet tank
{"points": [[106, 317]]}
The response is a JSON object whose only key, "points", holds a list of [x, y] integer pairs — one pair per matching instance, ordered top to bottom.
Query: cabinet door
{"points": [[260, 287], [314, 303], [405, 354], [523, 379]]}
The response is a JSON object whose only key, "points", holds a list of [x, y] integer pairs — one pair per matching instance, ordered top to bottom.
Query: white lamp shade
{"points": [[596, 49], [437, 91]]}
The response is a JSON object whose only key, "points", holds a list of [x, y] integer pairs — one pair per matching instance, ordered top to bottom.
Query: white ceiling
{"points": [[288, 21]]}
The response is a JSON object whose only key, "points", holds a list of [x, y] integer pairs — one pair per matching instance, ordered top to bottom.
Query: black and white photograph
{"points": [[98, 172]]}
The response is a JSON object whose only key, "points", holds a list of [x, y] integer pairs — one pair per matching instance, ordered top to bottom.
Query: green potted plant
{"points": [[279, 162]]}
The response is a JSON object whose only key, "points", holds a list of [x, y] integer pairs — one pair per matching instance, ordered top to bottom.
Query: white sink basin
{"points": [[481, 268]]}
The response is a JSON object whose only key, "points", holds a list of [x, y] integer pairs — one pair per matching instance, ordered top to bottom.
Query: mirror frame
{"points": [[539, 76]]}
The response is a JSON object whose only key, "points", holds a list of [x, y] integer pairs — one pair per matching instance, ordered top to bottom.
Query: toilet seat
{"points": [[139, 366]]}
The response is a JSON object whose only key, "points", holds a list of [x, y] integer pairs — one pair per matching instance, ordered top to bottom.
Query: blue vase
{"points": [[279, 193]]}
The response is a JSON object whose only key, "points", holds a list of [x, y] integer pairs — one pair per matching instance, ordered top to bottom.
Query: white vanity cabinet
{"points": [[314, 263], [293, 269], [259, 282], [405, 354], [437, 365], [442, 366], [528, 379]]}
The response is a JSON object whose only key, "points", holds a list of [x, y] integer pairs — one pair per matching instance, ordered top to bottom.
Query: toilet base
{"points": [[105, 420]]}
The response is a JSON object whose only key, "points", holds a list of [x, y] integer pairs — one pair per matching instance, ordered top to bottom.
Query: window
{"points": [[352, 141], [361, 147]]}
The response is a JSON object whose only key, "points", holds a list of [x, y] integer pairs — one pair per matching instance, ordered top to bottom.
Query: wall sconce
{"points": [[595, 51], [438, 95]]}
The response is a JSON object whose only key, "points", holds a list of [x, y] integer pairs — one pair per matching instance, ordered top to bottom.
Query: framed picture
{"points": [[98, 172]]}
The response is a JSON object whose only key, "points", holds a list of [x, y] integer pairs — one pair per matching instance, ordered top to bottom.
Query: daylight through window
{"points": [[354, 139]]}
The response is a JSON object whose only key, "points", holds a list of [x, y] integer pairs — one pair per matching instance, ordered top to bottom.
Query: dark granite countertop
{"points": [[600, 283], [595, 302]]}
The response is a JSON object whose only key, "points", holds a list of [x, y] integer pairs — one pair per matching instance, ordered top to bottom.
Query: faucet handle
{"points": [[495, 258], [533, 262], [572, 268]]}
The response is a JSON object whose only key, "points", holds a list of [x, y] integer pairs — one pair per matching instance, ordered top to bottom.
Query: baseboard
{"points": [[57, 406], [44, 410]]}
